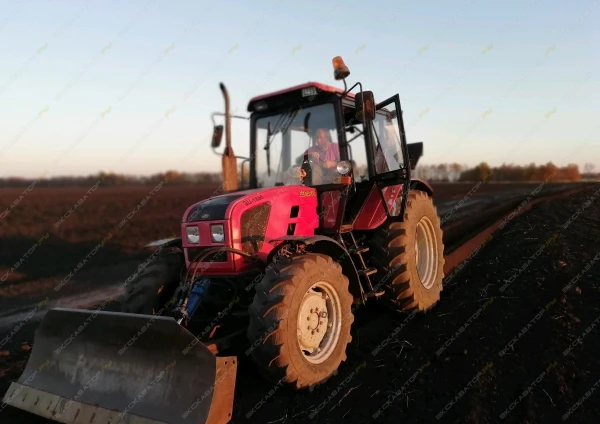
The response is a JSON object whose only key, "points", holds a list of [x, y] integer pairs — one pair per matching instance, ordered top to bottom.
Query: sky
{"points": [[129, 86]]}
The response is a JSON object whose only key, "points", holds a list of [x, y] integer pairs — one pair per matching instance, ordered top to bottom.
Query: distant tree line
{"points": [[445, 172], [454, 172], [588, 172], [115, 180]]}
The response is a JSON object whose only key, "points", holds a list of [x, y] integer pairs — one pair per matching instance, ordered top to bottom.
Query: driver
{"points": [[325, 151]]}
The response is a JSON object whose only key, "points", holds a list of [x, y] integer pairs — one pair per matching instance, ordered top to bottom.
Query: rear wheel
{"points": [[409, 256], [153, 285], [300, 321]]}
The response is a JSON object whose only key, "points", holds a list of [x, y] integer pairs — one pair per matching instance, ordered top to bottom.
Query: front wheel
{"points": [[151, 288], [300, 320]]}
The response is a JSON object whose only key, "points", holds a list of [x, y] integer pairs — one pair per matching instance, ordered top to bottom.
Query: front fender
{"points": [[168, 242], [330, 247]]}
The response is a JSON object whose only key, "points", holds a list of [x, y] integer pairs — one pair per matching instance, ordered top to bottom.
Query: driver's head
{"points": [[322, 138]]}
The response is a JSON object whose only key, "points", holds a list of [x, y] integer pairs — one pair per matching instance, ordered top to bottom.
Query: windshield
{"points": [[290, 135]]}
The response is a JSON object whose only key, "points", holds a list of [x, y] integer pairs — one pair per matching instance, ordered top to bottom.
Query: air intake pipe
{"points": [[228, 161]]}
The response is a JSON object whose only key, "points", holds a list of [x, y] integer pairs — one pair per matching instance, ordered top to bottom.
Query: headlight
{"points": [[343, 167], [217, 234], [193, 236]]}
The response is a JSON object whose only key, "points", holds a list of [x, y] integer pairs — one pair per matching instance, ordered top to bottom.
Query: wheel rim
{"points": [[426, 252], [319, 322]]}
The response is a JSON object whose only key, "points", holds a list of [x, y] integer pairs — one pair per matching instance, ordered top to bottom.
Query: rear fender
{"points": [[417, 184], [330, 247]]}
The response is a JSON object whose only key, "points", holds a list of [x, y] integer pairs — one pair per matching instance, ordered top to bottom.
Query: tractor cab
{"points": [[350, 149]]}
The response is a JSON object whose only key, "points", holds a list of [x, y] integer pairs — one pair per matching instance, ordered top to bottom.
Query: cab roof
{"points": [[319, 86]]}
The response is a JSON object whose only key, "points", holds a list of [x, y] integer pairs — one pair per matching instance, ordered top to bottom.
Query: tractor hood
{"points": [[215, 208], [250, 219]]}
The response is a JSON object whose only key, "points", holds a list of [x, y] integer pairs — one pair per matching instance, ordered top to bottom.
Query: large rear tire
{"points": [[409, 256], [153, 285], [300, 321]]}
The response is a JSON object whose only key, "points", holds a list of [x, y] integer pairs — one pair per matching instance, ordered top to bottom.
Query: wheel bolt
{"points": [[311, 311], [308, 318], [317, 330], [313, 332]]}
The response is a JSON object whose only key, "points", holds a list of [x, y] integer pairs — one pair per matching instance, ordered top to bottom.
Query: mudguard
{"points": [[418, 184], [168, 242], [330, 247], [97, 367]]}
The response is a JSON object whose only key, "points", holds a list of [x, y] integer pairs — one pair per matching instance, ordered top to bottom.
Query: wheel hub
{"points": [[426, 253], [313, 314], [319, 324]]}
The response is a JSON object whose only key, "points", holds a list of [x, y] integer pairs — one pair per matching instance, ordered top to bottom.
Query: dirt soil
{"points": [[56, 250], [505, 344]]}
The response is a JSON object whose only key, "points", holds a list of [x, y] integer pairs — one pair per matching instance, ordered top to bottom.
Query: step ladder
{"points": [[364, 272]]}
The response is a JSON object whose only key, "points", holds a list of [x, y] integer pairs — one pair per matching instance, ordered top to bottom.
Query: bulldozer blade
{"points": [[98, 367]]}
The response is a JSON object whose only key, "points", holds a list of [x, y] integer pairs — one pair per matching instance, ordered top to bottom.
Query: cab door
{"points": [[392, 167]]}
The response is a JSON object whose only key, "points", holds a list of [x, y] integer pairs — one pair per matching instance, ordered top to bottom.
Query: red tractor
{"points": [[327, 217]]}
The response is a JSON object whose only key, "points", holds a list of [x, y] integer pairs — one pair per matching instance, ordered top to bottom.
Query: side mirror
{"points": [[368, 114], [217, 136]]}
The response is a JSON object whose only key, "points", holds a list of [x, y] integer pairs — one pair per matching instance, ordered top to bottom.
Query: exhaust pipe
{"points": [[227, 116], [229, 162]]}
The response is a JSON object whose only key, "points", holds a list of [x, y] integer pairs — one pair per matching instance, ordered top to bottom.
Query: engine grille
{"points": [[254, 226]]}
